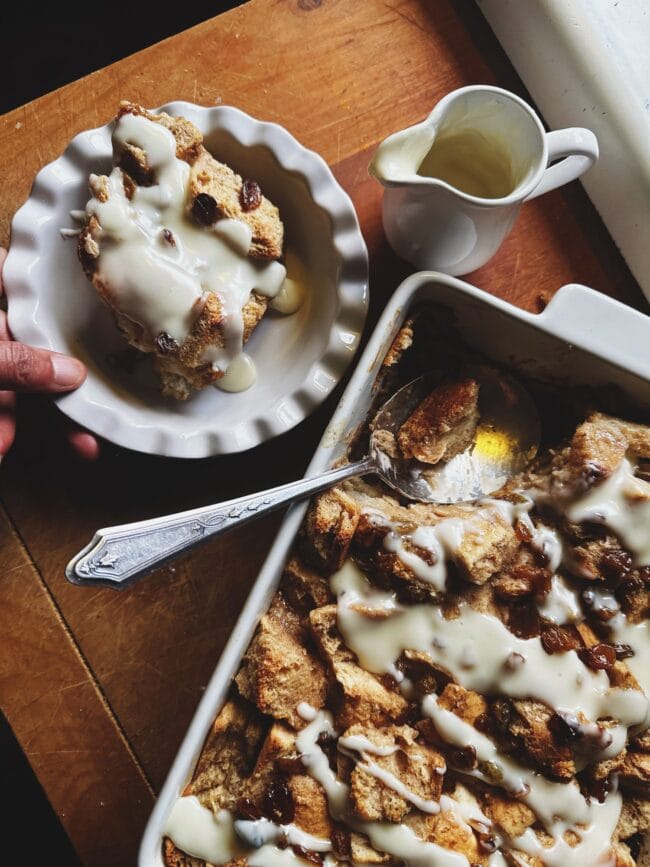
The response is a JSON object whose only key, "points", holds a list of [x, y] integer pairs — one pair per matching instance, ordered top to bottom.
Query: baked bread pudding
{"points": [[184, 252], [448, 685]]}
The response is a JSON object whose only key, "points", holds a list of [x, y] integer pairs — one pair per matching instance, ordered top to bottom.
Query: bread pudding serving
{"points": [[184, 251], [448, 685]]}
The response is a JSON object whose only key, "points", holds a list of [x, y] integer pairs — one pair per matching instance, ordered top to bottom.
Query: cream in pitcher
{"points": [[455, 182]]}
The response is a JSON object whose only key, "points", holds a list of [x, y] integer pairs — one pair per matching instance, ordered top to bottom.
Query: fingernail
{"points": [[68, 372]]}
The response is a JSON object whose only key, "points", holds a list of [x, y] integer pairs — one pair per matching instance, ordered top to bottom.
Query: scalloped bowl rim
{"points": [[323, 374]]}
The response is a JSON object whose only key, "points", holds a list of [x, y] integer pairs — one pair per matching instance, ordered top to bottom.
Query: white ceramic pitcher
{"points": [[455, 182]]}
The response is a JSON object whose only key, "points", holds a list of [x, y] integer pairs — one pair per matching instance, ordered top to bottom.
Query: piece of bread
{"points": [[183, 367], [443, 425]]}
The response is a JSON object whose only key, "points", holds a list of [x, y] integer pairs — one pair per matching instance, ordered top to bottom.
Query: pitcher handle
{"points": [[576, 149]]}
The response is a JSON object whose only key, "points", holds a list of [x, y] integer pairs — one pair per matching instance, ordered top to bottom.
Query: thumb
{"points": [[24, 368]]}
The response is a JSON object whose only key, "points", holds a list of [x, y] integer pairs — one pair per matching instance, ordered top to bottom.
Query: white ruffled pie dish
{"points": [[299, 358]]}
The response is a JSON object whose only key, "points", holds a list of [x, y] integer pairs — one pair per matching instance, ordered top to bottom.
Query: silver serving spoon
{"points": [[507, 438]]}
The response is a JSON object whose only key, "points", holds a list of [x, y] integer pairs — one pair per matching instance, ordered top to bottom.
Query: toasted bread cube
{"points": [[216, 192], [443, 425], [601, 442], [330, 526], [486, 548], [304, 588], [278, 672], [363, 698], [465, 703], [228, 755], [418, 767], [634, 773], [311, 811], [510, 814], [449, 830], [361, 852]]}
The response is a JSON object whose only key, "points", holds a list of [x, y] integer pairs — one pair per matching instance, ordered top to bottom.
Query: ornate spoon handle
{"points": [[118, 556]]}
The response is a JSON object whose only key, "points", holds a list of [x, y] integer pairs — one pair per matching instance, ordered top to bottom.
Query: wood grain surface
{"points": [[99, 687]]}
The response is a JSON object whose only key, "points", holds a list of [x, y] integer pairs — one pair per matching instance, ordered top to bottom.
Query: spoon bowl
{"points": [[507, 438]]}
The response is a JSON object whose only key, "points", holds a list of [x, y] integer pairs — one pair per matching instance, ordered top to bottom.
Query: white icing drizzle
{"points": [[160, 283], [291, 296], [240, 375], [622, 503], [546, 540], [441, 541], [600, 600], [560, 605], [474, 648], [361, 744], [393, 782], [549, 801], [199, 832], [258, 832], [219, 838], [395, 839], [403, 843], [595, 846]]}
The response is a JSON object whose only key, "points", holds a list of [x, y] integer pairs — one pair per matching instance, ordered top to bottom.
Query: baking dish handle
{"points": [[118, 556]]}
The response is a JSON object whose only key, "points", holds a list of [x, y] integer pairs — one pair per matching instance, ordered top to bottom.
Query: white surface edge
{"points": [[564, 60]]}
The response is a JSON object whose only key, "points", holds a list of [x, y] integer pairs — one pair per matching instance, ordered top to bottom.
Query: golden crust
{"points": [[220, 190], [443, 424], [278, 671]]}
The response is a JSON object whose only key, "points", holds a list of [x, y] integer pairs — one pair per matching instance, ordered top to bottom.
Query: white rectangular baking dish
{"points": [[581, 337]]}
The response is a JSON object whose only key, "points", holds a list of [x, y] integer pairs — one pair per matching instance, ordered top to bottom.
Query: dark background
{"points": [[46, 45], [43, 47]]}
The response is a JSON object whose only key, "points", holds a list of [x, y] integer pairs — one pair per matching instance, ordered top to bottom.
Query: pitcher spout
{"points": [[397, 159]]}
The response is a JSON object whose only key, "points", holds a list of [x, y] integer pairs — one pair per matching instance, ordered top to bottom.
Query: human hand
{"points": [[24, 368]]}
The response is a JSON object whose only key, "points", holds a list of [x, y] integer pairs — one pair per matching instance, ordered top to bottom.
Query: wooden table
{"points": [[99, 686]]}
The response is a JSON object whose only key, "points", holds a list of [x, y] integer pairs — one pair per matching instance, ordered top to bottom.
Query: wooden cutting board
{"points": [[99, 686]]}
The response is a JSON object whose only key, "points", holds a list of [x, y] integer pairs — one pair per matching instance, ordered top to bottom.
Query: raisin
{"points": [[250, 195], [204, 209], [169, 238], [166, 343], [592, 473], [522, 532], [615, 565], [523, 618], [556, 639], [623, 651], [600, 657], [483, 723], [564, 728], [327, 743], [463, 758], [598, 789], [278, 803], [247, 809], [341, 843], [312, 857]]}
